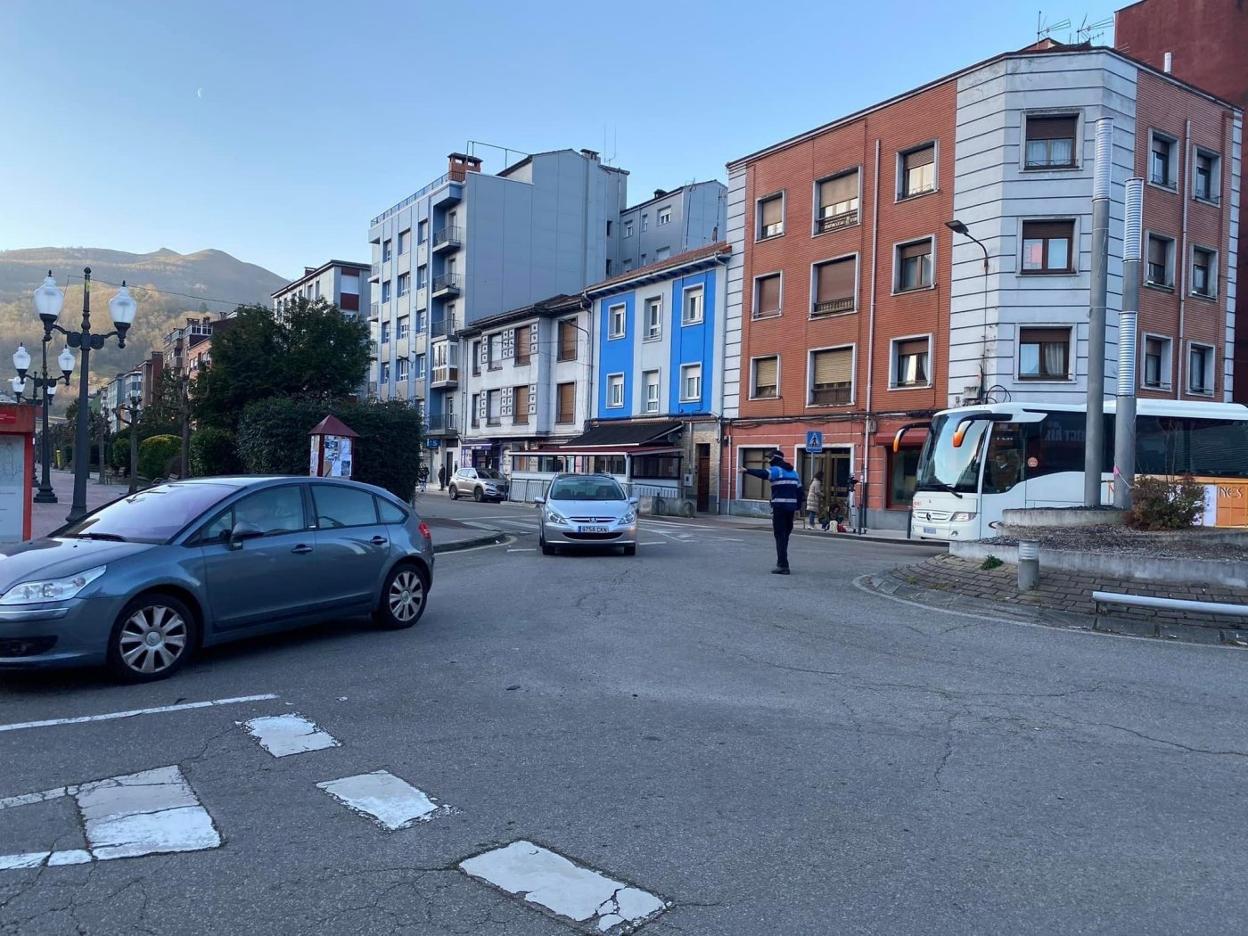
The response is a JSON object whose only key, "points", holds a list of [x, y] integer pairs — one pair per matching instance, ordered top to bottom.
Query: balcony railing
{"points": [[837, 221], [448, 237], [448, 283], [832, 306], [374, 310], [444, 327], [445, 375], [831, 395], [440, 423]]}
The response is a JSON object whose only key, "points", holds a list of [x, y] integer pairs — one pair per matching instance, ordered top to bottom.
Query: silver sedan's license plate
{"points": [[592, 529], [930, 530]]}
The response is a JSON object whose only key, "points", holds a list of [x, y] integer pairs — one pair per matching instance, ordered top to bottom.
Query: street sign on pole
{"points": [[814, 443]]}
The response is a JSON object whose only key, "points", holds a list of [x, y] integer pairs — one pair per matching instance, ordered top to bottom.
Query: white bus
{"points": [[981, 460]]}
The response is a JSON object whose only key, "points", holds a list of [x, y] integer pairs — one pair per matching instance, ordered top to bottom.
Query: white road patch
{"points": [[158, 710], [283, 735], [390, 801], [152, 812], [545, 878]]}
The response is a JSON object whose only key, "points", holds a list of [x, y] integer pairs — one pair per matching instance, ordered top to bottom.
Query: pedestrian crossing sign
{"points": [[814, 442]]}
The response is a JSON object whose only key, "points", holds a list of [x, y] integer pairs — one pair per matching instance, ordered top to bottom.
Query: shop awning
{"points": [[624, 436]]}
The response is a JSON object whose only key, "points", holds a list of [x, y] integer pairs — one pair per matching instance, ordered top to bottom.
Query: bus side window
{"points": [[1005, 462]]}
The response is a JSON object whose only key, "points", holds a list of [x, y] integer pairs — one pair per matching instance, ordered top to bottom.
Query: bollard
{"points": [[1028, 565]]}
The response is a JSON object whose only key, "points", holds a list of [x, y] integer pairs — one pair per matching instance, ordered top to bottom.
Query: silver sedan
{"points": [[582, 510], [143, 582]]}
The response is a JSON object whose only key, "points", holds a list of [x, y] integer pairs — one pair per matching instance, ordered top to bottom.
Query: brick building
{"points": [[1204, 42], [853, 308]]}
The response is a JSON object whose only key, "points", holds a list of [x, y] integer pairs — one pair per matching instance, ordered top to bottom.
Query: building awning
{"points": [[625, 436]]}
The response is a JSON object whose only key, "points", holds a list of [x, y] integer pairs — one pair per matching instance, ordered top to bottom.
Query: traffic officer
{"points": [[786, 493]]}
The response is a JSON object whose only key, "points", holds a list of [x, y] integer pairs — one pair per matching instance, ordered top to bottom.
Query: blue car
{"points": [[142, 583]]}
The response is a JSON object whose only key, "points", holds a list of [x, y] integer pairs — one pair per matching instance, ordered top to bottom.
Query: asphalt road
{"points": [[769, 754]]}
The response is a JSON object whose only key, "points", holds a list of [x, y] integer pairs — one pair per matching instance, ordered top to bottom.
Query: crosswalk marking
{"points": [[283, 735]]}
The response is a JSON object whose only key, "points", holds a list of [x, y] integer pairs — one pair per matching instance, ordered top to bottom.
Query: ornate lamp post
{"points": [[122, 308], [47, 383], [131, 417]]}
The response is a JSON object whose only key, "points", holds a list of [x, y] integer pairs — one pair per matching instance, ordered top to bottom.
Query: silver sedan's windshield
{"points": [[586, 489]]}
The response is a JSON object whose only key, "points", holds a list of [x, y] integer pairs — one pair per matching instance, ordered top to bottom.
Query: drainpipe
{"points": [[1180, 263], [1124, 413], [866, 422], [1094, 432]]}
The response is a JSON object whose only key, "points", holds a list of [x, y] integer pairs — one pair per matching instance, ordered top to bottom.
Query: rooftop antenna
{"points": [[1046, 30], [1090, 32]]}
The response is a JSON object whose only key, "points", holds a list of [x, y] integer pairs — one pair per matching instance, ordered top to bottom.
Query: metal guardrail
{"points": [[442, 179], [448, 235], [448, 281], [443, 327], [1170, 604]]}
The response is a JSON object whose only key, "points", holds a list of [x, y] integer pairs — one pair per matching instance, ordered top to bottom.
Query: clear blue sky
{"points": [[275, 130]]}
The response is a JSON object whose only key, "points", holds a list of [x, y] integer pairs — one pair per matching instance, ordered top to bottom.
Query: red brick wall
{"points": [[1166, 107]]}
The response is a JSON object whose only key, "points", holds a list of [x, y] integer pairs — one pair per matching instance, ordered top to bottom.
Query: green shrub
{"points": [[273, 439], [119, 450], [214, 452], [159, 456], [1166, 503], [990, 563]]}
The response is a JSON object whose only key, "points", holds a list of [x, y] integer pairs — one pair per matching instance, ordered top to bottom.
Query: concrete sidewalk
{"points": [[47, 517]]}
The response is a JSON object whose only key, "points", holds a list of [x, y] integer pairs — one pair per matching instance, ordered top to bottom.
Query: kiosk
{"points": [[17, 470]]}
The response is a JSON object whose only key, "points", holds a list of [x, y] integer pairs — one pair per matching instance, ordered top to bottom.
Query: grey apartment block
{"points": [[670, 223], [341, 282]]}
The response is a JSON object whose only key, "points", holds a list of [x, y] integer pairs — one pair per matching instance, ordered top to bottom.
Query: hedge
{"points": [[273, 439], [214, 452], [159, 456]]}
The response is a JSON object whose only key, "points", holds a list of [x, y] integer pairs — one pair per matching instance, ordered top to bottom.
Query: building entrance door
{"points": [[836, 465], [704, 477]]}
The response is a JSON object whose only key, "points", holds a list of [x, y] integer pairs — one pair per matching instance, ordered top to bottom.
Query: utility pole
{"points": [[1124, 413], [1094, 434]]}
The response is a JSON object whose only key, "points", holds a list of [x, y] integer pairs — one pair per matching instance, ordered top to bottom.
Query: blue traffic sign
{"points": [[814, 442], [433, 443]]}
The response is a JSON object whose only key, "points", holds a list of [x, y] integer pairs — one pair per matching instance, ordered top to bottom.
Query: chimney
{"points": [[1168, 63], [589, 154], [460, 164], [659, 193], [308, 269]]}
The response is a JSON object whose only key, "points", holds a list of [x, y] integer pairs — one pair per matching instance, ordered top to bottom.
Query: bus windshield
{"points": [[945, 468]]}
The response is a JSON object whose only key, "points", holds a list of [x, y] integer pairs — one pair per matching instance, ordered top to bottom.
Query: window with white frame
{"points": [[1050, 142], [1161, 159], [917, 171], [1206, 175], [836, 202], [663, 216], [770, 216], [645, 221], [628, 228], [422, 232], [405, 241], [387, 250], [662, 254], [914, 265], [1159, 270], [1204, 272], [405, 283], [835, 283], [767, 296], [693, 311], [654, 317], [616, 320], [401, 327], [385, 332], [1044, 354], [1157, 357], [910, 361], [420, 366], [401, 368], [1200, 369], [385, 372], [765, 378], [650, 380], [831, 381], [691, 383], [615, 391], [753, 488]]}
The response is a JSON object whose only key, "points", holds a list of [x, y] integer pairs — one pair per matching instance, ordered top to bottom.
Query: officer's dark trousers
{"points": [[782, 527]]}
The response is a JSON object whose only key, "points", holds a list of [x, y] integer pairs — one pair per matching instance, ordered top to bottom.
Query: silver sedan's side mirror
{"points": [[635, 500], [538, 501]]}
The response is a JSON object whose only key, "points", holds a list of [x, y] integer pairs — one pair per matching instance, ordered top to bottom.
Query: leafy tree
{"points": [[310, 351], [163, 416], [158, 456]]}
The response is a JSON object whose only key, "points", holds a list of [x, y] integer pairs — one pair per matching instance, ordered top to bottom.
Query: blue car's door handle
{"points": [[302, 548]]}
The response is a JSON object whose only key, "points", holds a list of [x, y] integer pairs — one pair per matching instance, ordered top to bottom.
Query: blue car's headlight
{"points": [[60, 589]]}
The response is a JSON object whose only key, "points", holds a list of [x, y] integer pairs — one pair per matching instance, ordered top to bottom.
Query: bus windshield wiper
{"points": [[940, 486]]}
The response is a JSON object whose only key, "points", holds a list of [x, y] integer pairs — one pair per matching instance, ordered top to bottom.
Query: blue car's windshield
{"points": [[585, 489], [151, 516]]}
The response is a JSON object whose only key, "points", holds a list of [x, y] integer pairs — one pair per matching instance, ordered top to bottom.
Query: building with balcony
{"points": [[670, 223], [339, 282], [853, 308], [179, 343]]}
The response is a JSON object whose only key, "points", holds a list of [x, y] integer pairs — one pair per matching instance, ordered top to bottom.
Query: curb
{"points": [[489, 539]]}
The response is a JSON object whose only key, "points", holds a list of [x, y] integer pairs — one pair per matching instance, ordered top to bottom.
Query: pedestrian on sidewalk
{"points": [[441, 477], [786, 493], [813, 498]]}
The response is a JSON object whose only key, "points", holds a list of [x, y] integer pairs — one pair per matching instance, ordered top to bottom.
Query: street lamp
{"points": [[959, 227], [122, 307], [47, 383], [131, 420]]}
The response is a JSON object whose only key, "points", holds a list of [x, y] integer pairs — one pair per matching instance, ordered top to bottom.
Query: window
{"points": [[1051, 142], [1161, 160], [918, 171], [1207, 175], [836, 202], [663, 216], [770, 216], [645, 222], [608, 227], [628, 228], [422, 232], [405, 241], [1047, 246], [386, 251], [662, 254], [914, 265], [610, 266], [1160, 270], [1204, 273], [422, 276], [405, 283], [835, 286], [385, 291], [767, 296], [693, 311], [654, 317], [616, 318], [420, 322], [401, 327], [385, 332], [523, 340], [567, 340], [494, 350], [1044, 354], [910, 356], [476, 358], [1157, 362], [420, 366], [401, 368], [1200, 369], [384, 373], [831, 377], [765, 378], [650, 379], [691, 383], [615, 391], [520, 407], [494, 408], [476, 410], [565, 411], [903, 469], [754, 488], [339, 506], [272, 512], [389, 512]]}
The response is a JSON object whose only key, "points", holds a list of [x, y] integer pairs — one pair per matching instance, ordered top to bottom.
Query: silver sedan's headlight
{"points": [[556, 518], [628, 519], [50, 589]]}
